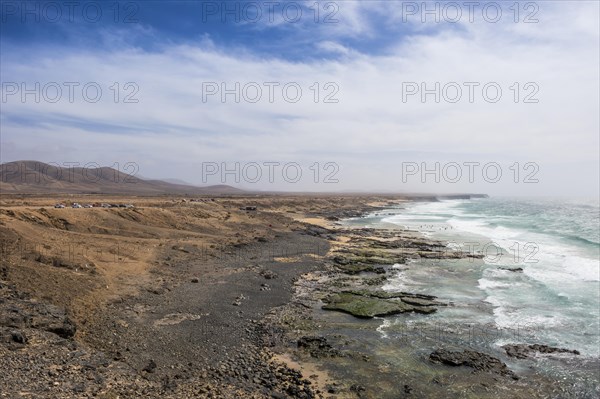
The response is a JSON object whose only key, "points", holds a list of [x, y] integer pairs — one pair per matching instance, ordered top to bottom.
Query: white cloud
{"points": [[369, 132]]}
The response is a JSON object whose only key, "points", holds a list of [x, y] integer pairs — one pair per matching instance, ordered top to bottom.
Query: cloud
{"points": [[332, 47], [369, 131]]}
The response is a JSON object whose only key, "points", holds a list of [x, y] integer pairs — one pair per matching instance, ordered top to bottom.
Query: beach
{"points": [[258, 296]]}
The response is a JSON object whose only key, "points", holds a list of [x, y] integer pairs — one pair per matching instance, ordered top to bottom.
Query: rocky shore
{"points": [[233, 298], [343, 304]]}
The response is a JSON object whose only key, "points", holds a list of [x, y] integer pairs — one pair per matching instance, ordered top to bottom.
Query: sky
{"points": [[391, 96]]}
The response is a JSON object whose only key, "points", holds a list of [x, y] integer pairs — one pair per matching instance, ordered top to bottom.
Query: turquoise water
{"points": [[555, 242]]}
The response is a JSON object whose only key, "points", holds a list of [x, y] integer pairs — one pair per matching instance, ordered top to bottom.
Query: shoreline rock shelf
{"points": [[364, 306], [523, 351]]}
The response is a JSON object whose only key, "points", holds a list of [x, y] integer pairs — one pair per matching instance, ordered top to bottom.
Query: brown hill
{"points": [[34, 177]]}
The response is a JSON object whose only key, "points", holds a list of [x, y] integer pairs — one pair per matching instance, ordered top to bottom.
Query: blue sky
{"points": [[285, 29], [362, 54]]}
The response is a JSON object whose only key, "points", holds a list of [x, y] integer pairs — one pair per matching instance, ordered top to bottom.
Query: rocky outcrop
{"points": [[512, 269], [406, 297], [368, 306], [19, 312], [317, 346], [523, 351], [479, 362]]}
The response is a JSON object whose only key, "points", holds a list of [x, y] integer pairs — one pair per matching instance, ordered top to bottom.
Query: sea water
{"points": [[538, 282]]}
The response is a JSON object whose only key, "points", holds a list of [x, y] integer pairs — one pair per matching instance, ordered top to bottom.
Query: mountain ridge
{"points": [[36, 177]]}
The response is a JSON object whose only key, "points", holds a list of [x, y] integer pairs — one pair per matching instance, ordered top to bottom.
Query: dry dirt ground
{"points": [[161, 300]]}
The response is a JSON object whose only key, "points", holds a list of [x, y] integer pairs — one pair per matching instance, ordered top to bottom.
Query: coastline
{"points": [[240, 304], [426, 355]]}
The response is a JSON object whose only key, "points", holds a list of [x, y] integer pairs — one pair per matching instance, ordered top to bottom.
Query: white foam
{"points": [[583, 268], [486, 284], [557, 291], [384, 326]]}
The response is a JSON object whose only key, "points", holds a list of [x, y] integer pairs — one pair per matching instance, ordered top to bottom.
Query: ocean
{"points": [[538, 282]]}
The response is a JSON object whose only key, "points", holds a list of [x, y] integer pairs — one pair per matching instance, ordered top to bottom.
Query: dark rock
{"points": [[316, 231], [368, 257], [340, 260], [355, 268], [512, 269], [268, 274], [411, 299], [369, 307], [66, 329], [18, 337], [317, 346], [522, 351], [478, 361], [150, 367], [78, 388], [332, 388], [357, 388]]}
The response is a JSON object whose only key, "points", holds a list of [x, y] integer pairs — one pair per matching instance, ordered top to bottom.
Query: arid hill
{"points": [[33, 177]]}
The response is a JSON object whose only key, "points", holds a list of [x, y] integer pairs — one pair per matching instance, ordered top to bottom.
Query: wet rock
{"points": [[369, 257], [355, 268], [512, 269], [406, 297], [419, 301], [369, 307], [317, 346], [523, 351], [479, 362]]}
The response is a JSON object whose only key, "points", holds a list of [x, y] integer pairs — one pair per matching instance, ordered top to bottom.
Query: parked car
{"points": [[76, 205], [59, 206], [88, 206]]}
